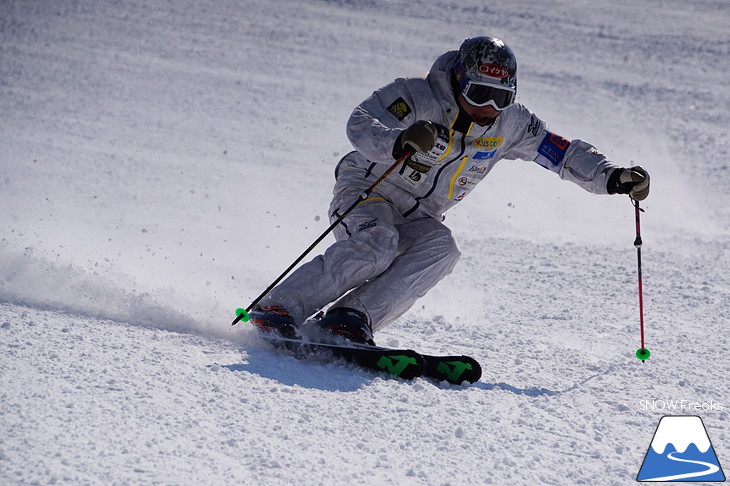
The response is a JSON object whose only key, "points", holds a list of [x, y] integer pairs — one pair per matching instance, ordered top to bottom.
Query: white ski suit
{"points": [[393, 247]]}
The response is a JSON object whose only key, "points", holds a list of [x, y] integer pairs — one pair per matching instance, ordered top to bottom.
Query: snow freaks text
{"points": [[681, 406]]}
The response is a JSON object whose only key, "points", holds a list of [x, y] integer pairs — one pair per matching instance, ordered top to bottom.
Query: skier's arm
{"points": [[377, 122], [574, 160], [584, 165], [592, 170]]}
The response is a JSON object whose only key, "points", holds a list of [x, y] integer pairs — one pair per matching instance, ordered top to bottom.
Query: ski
{"points": [[402, 363], [454, 369]]}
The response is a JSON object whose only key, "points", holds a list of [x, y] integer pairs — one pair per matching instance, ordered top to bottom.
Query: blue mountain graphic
{"points": [[662, 467]]}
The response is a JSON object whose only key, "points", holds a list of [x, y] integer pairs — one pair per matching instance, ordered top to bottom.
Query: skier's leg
{"points": [[367, 243], [427, 253]]}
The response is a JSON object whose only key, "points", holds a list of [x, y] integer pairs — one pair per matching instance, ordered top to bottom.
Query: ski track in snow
{"points": [[161, 164]]}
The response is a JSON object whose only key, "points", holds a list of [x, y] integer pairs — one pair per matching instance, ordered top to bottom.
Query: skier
{"points": [[451, 126]]}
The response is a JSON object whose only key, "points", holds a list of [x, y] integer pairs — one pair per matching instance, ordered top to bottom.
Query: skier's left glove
{"points": [[633, 181]]}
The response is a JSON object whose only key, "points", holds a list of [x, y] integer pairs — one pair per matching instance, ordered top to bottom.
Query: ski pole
{"points": [[242, 314], [641, 353]]}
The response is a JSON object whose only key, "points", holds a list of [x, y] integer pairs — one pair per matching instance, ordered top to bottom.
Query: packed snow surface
{"points": [[162, 162]]}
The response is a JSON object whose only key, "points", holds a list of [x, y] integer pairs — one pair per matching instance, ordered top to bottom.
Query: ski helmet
{"points": [[486, 72]]}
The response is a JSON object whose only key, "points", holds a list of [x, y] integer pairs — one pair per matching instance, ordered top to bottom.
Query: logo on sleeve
{"points": [[399, 109], [534, 126], [553, 148]]}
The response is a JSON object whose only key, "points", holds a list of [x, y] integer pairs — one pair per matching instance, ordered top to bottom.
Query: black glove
{"points": [[419, 137], [633, 181]]}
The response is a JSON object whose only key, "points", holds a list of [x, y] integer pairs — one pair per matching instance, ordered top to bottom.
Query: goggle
{"points": [[477, 94], [480, 94]]}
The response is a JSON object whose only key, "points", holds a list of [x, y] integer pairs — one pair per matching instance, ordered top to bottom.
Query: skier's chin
{"points": [[481, 115], [483, 122]]}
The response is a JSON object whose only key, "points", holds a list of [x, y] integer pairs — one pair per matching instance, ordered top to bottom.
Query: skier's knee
{"points": [[383, 243], [377, 245], [448, 250]]}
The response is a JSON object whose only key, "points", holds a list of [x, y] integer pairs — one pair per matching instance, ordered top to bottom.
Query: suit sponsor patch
{"points": [[399, 109], [488, 143], [551, 151], [484, 155], [477, 169]]}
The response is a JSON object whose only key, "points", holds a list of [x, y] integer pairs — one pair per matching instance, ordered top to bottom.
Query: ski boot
{"points": [[274, 319], [350, 324]]}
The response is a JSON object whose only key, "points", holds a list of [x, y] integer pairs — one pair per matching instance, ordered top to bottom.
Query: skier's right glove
{"points": [[420, 138]]}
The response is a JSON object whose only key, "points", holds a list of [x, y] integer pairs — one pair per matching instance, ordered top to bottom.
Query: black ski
{"points": [[403, 363], [454, 369]]}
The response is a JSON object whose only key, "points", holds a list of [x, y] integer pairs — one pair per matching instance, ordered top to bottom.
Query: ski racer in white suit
{"points": [[460, 119]]}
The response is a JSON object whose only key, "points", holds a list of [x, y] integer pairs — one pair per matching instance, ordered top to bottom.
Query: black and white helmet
{"points": [[486, 71]]}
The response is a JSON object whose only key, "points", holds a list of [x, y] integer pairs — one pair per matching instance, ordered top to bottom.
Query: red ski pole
{"points": [[641, 353]]}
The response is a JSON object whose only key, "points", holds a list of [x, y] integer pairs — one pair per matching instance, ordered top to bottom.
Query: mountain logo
{"points": [[680, 451]]}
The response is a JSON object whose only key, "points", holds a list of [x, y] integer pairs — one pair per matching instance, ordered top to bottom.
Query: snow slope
{"points": [[161, 163]]}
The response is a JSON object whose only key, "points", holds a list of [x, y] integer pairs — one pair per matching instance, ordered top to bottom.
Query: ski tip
{"points": [[643, 354], [453, 369], [475, 373]]}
